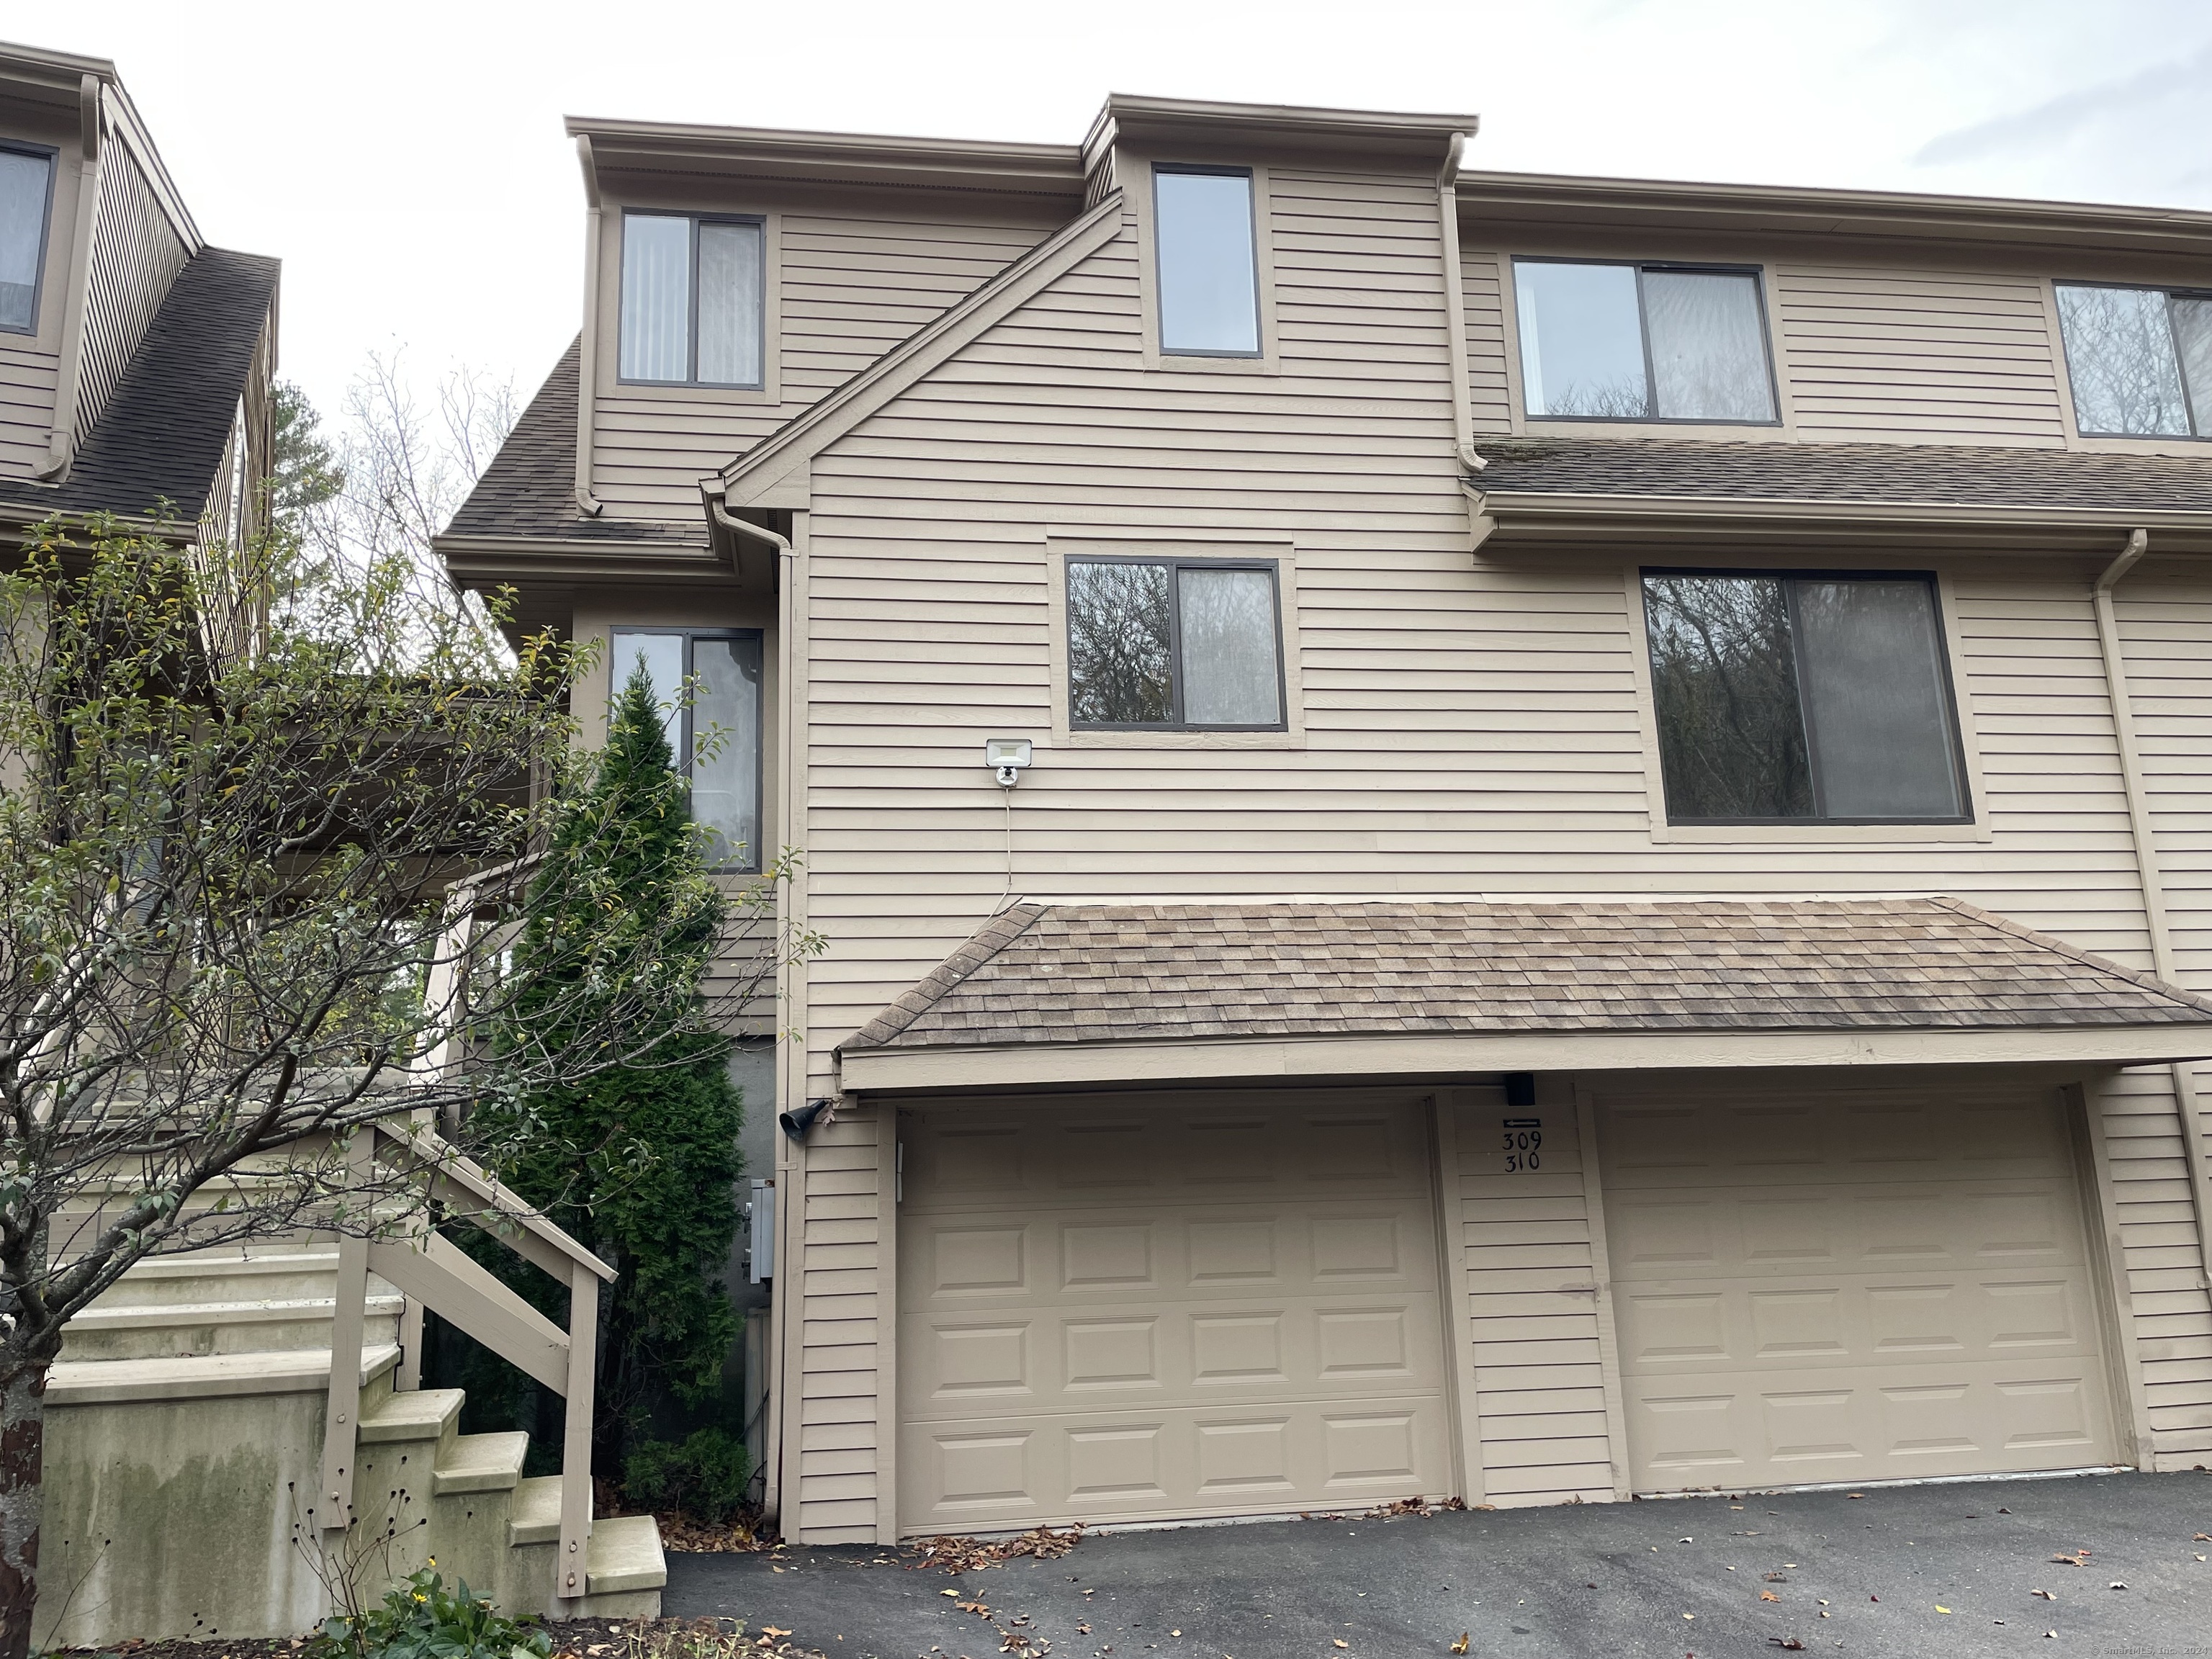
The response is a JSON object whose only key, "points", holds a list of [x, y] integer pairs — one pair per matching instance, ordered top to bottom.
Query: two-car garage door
{"points": [[1849, 1286], [1133, 1314]]}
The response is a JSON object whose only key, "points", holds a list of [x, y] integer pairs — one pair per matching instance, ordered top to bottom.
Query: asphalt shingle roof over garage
{"points": [[162, 436], [1947, 475], [529, 490], [1042, 974]]}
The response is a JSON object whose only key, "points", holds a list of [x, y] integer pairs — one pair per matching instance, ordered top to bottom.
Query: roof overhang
{"points": [[1151, 123], [1053, 171], [1544, 202], [1510, 517], [492, 561], [1314, 1059]]}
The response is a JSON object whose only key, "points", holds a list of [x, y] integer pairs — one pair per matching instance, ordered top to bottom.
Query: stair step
{"points": [[149, 1316], [201, 1376], [417, 1414], [480, 1462], [533, 1514], [625, 1555]]}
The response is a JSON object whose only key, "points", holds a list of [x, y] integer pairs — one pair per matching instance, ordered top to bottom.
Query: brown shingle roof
{"points": [[1920, 475], [1160, 972]]}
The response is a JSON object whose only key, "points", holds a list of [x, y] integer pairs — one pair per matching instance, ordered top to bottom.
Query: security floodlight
{"points": [[1006, 757]]}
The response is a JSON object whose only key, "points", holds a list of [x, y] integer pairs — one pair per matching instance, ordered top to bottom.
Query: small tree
{"points": [[225, 884], [639, 1159]]}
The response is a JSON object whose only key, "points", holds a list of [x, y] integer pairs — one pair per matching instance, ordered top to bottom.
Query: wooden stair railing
{"points": [[437, 1273]]}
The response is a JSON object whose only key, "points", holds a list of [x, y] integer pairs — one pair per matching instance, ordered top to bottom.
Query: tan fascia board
{"points": [[35, 68], [61, 76], [1135, 118], [1053, 170], [1559, 201], [793, 445], [18, 517], [1548, 517], [521, 559], [1314, 1059]]}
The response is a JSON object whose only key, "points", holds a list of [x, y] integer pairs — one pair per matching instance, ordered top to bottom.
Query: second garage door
{"points": [[1857, 1285], [1117, 1313]]}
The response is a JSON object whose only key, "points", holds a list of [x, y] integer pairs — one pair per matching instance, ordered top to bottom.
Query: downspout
{"points": [[1455, 303], [588, 345], [61, 441], [2154, 885], [790, 1067]]}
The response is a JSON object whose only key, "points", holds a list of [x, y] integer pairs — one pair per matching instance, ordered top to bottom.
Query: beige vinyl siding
{"points": [[135, 255], [850, 288], [1483, 298], [1894, 354], [27, 377], [845, 1305], [1539, 1377]]}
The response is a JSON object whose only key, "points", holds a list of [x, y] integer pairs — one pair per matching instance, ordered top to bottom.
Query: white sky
{"points": [[405, 159]]}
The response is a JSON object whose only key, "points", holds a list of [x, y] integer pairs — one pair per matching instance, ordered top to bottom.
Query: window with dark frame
{"points": [[26, 195], [1208, 261], [692, 311], [1621, 341], [2139, 359], [1192, 645], [707, 683], [1810, 697]]}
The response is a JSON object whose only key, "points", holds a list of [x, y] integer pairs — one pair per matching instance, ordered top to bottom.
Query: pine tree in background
{"points": [[640, 1163]]}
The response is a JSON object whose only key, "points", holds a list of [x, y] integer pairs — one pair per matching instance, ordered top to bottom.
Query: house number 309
{"points": [[1524, 1144]]}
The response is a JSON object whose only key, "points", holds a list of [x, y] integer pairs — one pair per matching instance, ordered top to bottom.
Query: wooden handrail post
{"points": [[348, 1316], [571, 1567]]}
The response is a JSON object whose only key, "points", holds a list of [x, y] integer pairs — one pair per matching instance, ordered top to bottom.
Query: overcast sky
{"points": [[405, 159]]}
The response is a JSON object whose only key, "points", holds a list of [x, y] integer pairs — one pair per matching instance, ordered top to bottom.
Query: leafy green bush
{"points": [[703, 1476], [421, 1620]]}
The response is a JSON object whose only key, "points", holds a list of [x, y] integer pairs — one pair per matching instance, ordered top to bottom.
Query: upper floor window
{"points": [[27, 189], [1209, 265], [691, 288], [1642, 342], [2140, 359], [1180, 644], [708, 683], [1794, 698]]}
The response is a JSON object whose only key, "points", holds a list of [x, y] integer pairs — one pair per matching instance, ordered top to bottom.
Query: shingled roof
{"points": [[160, 438], [1931, 474], [529, 490], [1059, 974]]}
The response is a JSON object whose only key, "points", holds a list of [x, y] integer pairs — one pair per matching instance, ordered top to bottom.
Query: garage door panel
{"points": [[1922, 1307], [1181, 1339]]}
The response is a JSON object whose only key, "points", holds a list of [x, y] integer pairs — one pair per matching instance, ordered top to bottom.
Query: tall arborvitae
{"points": [[640, 1162]]}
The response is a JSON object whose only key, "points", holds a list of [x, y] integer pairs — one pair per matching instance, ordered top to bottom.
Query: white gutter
{"points": [[1455, 303], [587, 346], [2141, 828]]}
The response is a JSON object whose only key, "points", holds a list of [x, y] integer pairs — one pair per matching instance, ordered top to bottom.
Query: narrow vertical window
{"points": [[26, 195], [1208, 260], [692, 300], [2140, 359], [1184, 644], [707, 684], [1784, 698]]}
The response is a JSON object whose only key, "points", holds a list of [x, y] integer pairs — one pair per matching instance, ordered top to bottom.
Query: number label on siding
{"points": [[1524, 1144]]}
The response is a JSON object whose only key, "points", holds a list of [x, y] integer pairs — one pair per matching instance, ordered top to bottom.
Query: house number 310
{"points": [[1524, 1144]]}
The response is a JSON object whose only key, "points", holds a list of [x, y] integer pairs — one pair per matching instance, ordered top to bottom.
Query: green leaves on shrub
{"points": [[704, 1476], [421, 1620]]}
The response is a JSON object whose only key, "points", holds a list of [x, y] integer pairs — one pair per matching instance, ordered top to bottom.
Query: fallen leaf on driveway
{"points": [[1855, 1494], [2202, 1538], [2071, 1561], [2117, 1584], [953, 1593], [2045, 1594], [1768, 1596], [975, 1607], [1942, 1609], [770, 1629], [1342, 1642], [1787, 1644], [1460, 1646]]}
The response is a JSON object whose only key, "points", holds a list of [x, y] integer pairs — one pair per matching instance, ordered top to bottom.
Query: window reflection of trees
{"points": [[2120, 357], [1118, 645], [1731, 733]]}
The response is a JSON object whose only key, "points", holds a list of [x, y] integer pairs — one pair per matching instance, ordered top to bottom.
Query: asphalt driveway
{"points": [[1948, 1570]]}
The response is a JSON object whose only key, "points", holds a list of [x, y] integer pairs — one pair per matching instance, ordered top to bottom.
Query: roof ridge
{"points": [[853, 401], [985, 943], [2148, 981]]}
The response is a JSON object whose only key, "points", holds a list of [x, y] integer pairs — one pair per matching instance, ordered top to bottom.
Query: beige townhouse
{"points": [[1498, 836]]}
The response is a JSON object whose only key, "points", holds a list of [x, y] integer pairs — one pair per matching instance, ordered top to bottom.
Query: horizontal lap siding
{"points": [[135, 255], [1482, 278], [850, 289], [1906, 354], [27, 378], [845, 1308], [1539, 1384]]}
